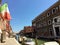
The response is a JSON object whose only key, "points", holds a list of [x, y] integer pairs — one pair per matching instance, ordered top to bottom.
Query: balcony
{"points": [[56, 23]]}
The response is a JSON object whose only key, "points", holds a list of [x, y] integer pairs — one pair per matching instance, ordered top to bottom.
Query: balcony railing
{"points": [[56, 23]]}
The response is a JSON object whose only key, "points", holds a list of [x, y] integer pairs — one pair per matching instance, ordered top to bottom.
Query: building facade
{"points": [[47, 24], [5, 27], [27, 31], [21, 33]]}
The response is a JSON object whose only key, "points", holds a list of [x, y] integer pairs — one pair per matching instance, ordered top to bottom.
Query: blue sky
{"points": [[24, 11]]}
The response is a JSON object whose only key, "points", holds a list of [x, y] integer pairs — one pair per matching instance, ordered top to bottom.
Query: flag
{"points": [[3, 8], [5, 12]]}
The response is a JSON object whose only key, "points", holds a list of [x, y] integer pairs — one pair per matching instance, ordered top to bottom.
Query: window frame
{"points": [[53, 11], [48, 14], [50, 22]]}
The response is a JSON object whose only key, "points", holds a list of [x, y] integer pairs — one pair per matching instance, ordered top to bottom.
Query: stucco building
{"points": [[5, 27]]}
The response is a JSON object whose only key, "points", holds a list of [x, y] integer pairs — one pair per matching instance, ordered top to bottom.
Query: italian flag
{"points": [[5, 11]]}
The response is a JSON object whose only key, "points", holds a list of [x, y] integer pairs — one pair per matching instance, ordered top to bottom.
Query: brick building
{"points": [[47, 24], [27, 31], [21, 33]]}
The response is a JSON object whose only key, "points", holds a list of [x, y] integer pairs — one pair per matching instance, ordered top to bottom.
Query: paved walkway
{"points": [[10, 41]]}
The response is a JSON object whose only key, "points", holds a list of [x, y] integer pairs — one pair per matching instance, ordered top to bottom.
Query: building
{"points": [[47, 24], [5, 27], [27, 31], [21, 33]]}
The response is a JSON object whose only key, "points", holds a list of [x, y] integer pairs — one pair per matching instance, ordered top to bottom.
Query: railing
{"points": [[56, 23]]}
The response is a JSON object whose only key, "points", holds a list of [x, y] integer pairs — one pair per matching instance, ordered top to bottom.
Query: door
{"points": [[57, 31]]}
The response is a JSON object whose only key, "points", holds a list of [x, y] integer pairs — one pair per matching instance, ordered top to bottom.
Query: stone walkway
{"points": [[10, 41]]}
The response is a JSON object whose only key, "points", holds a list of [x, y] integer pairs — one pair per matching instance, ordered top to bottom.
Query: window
{"points": [[59, 6], [53, 11], [48, 14], [43, 17], [39, 18], [55, 20], [49, 22], [34, 24], [45, 24], [39, 25], [51, 33]]}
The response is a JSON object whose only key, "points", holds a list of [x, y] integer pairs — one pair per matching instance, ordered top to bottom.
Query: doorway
{"points": [[57, 31]]}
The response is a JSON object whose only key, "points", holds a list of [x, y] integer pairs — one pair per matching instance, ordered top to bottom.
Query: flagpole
{"points": [[0, 2], [1, 33]]}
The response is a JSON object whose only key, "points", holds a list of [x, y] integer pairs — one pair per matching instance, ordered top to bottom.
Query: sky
{"points": [[24, 11]]}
